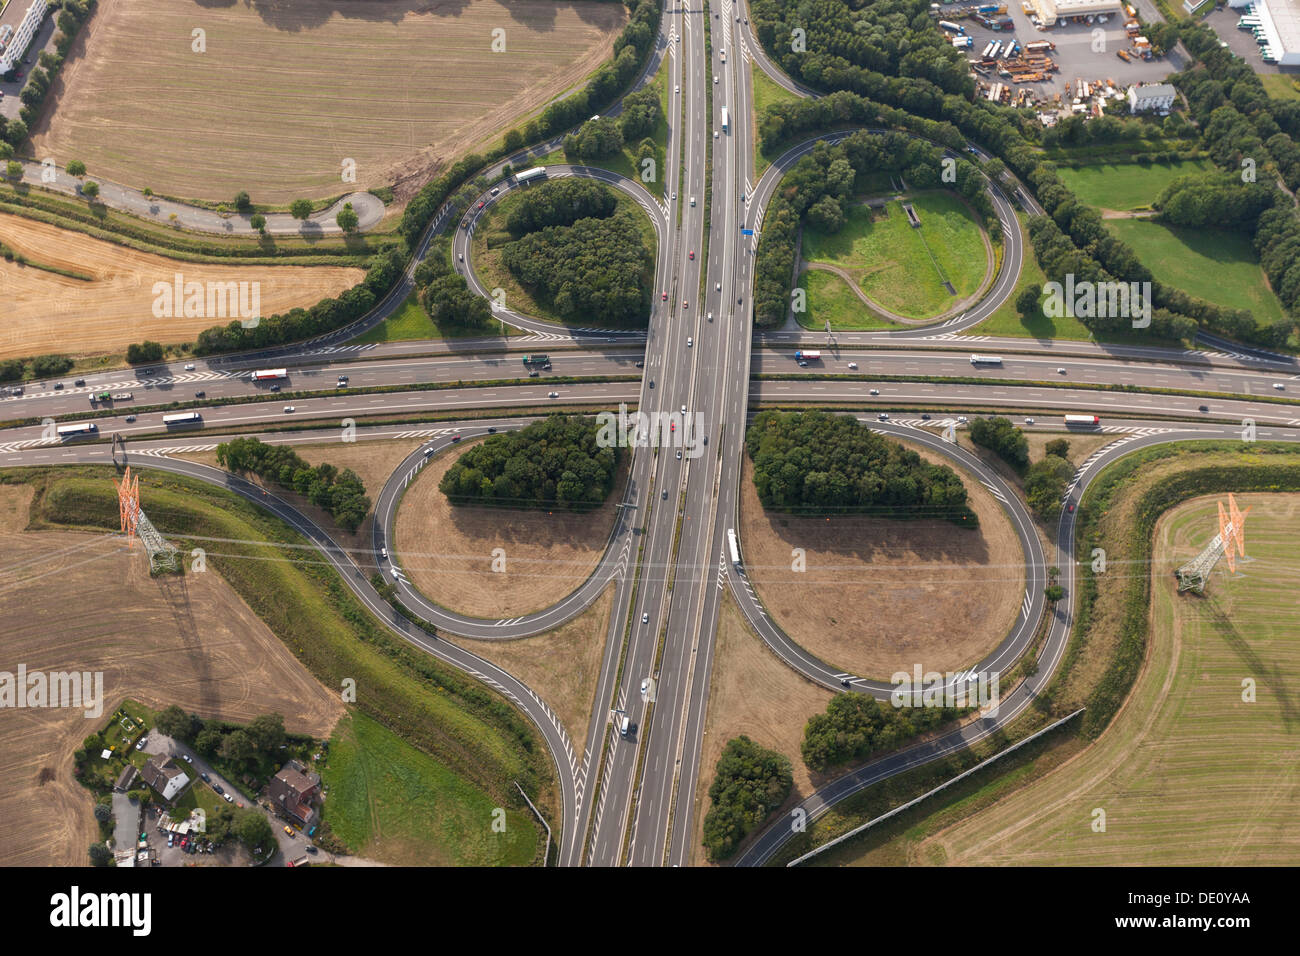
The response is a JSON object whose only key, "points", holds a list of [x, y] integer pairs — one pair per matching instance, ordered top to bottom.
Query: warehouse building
{"points": [[1049, 11], [1280, 22], [1158, 97]]}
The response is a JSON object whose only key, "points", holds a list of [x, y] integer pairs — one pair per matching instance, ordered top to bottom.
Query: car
{"points": [[715, 77], [677, 89], [715, 134], [971, 149], [495, 190], [674, 196], [692, 200], [481, 204], [691, 254], [460, 256], [718, 287], [663, 296], [740, 300], [686, 304], [710, 316], [689, 341], [640, 364], [803, 364], [853, 365], [189, 367], [546, 367], [145, 371], [1060, 371], [533, 373], [343, 379], [80, 381], [652, 383], [58, 386], [1279, 386], [275, 388], [875, 391], [200, 394], [552, 394], [1204, 408], [288, 409], [683, 409], [883, 416], [925, 416], [130, 418], [961, 420], [1029, 421], [672, 426], [492, 430], [456, 437], [706, 439], [679, 454], [665, 494], [1070, 507], [384, 553], [645, 618], [141, 742], [187, 758], [205, 777], [217, 787], [228, 798], [289, 830], [171, 840], [310, 848]]}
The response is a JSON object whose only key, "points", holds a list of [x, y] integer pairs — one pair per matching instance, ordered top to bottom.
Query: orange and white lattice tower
{"points": [[1229, 543], [162, 556]]}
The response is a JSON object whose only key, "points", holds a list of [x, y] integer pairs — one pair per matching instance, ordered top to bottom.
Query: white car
{"points": [[715, 77], [677, 89], [715, 134], [718, 287], [689, 341], [853, 365], [189, 367], [1060, 371], [1279, 386], [552, 394], [288, 409], [683, 409], [883, 416], [961, 420], [1029, 421], [679, 454], [384, 552], [645, 618], [645, 686], [187, 758]]}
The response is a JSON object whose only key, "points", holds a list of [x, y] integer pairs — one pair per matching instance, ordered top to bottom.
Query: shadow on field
{"points": [[1255, 664]]}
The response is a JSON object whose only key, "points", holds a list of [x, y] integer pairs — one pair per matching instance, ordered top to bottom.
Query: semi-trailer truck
{"points": [[951, 27], [804, 355]]}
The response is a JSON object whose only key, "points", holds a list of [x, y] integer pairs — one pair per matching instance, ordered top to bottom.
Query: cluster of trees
{"points": [[641, 113], [594, 140], [820, 188], [1214, 199], [561, 202], [384, 269], [593, 271], [446, 295], [145, 351], [42, 366], [1004, 439], [552, 463], [815, 463], [1047, 479], [341, 493], [855, 726], [243, 747], [749, 782]]}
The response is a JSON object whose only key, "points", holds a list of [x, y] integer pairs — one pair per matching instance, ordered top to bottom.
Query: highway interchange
{"points": [[633, 800]]}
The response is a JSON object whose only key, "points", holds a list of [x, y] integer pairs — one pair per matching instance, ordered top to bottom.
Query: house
{"points": [[1152, 96], [164, 776], [126, 778], [294, 791]]}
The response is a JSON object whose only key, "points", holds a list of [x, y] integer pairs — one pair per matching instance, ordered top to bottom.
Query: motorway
{"points": [[632, 800]]}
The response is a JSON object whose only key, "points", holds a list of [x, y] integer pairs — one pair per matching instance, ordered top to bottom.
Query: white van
{"points": [[692, 200], [624, 725]]}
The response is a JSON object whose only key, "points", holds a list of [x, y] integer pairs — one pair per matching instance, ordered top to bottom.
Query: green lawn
{"points": [[1281, 86], [765, 94], [1126, 186], [1212, 264], [900, 267], [829, 297], [1007, 321], [411, 322], [382, 791]]}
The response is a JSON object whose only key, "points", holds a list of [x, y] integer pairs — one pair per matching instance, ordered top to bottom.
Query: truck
{"points": [[992, 8], [951, 27], [1132, 28], [963, 42], [1039, 46], [1124, 55], [725, 123], [537, 172], [804, 355], [536, 359], [985, 359], [268, 374], [123, 396], [100, 397], [1082, 421]]}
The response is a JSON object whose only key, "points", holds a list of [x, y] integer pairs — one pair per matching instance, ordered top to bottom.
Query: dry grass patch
{"points": [[286, 92], [47, 312], [446, 550], [882, 595], [189, 641], [562, 666], [753, 693], [1188, 773]]}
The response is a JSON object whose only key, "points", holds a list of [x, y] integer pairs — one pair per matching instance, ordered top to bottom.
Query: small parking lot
{"points": [[1242, 42]]}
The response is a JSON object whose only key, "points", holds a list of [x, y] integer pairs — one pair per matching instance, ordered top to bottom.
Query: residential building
{"points": [[1150, 97], [164, 776], [295, 791]]}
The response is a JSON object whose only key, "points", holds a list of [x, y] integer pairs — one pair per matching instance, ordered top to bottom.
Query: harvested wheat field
{"points": [[285, 93], [47, 312], [447, 551], [882, 595], [189, 641], [752, 692], [1188, 773]]}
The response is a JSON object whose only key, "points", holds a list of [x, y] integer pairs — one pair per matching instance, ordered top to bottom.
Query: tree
{"points": [[15, 132], [76, 168], [14, 169], [90, 189], [242, 202], [300, 208], [347, 218], [258, 222], [1027, 303], [144, 352], [1003, 438], [1060, 447], [1054, 593], [174, 722], [267, 732], [208, 740], [236, 746], [749, 782], [103, 812], [252, 829], [100, 855]]}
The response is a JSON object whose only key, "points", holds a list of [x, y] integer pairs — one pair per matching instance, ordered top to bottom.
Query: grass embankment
{"points": [[766, 93], [1126, 186], [829, 298], [411, 322], [1106, 650], [474, 734]]}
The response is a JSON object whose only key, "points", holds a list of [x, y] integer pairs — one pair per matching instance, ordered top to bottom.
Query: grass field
{"points": [[1280, 85], [286, 93], [765, 94], [624, 162], [1128, 185], [492, 235], [895, 264], [1212, 264], [829, 297], [45, 312], [1008, 321], [411, 322], [447, 551], [880, 595], [189, 641], [1188, 774], [390, 802]]}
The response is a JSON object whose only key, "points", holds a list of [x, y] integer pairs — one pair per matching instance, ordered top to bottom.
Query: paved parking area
{"points": [[1242, 42]]}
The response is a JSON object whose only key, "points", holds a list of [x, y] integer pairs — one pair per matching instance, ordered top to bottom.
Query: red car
{"points": [[481, 204], [691, 253], [664, 297], [685, 304], [672, 426], [1071, 508]]}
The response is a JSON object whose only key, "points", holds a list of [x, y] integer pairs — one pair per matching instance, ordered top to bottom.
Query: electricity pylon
{"points": [[162, 556], [1195, 574]]}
